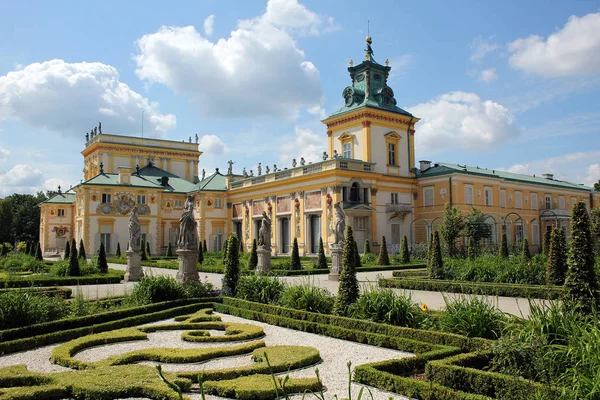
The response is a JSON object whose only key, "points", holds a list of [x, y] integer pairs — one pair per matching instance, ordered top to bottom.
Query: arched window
{"points": [[354, 193]]}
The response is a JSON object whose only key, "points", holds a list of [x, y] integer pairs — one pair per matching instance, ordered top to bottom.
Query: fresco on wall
{"points": [[313, 201], [284, 205], [258, 207]]}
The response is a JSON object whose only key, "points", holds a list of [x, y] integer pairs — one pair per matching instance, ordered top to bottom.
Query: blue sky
{"points": [[507, 85]]}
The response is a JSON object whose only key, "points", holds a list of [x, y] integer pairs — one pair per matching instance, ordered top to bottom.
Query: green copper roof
{"points": [[369, 88], [445, 168], [215, 182], [61, 198]]}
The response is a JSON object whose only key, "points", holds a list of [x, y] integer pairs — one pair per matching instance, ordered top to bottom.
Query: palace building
{"points": [[369, 166]]}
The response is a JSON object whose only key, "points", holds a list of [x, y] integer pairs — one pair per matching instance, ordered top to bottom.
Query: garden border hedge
{"points": [[113, 276], [481, 288], [63, 292]]}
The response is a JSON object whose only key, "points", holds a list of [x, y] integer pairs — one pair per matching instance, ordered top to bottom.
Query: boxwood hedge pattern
{"points": [[113, 276]]}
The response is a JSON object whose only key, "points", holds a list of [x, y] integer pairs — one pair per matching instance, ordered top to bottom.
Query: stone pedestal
{"points": [[264, 262], [336, 262], [134, 270], [188, 271]]}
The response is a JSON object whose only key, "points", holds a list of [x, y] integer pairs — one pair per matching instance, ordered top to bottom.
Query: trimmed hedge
{"points": [[410, 273], [113, 276], [490, 289], [63, 292], [203, 315], [304, 320], [233, 331], [29, 337], [459, 372], [260, 387]]}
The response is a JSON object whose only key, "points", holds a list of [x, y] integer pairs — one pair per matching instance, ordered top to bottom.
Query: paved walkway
{"points": [[434, 300]]}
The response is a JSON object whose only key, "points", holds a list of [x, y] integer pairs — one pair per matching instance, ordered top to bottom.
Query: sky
{"points": [[510, 85]]}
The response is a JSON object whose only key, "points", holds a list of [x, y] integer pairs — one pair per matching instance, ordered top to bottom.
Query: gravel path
{"points": [[334, 352]]}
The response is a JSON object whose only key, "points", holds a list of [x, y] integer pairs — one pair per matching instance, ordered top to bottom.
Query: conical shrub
{"points": [[546, 243], [225, 245], [367, 246], [204, 248], [143, 249], [67, 250], [170, 250], [525, 250], [81, 251], [118, 252], [503, 252], [38, 253], [404, 253], [471, 253], [148, 254], [200, 254], [253, 255], [384, 258], [322, 260], [357, 262], [102, 264], [296, 265], [435, 265], [73, 266], [232, 266], [556, 267], [348, 289]]}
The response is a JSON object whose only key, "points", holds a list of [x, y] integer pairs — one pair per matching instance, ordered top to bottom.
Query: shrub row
{"points": [[409, 273], [113, 276], [490, 289], [63, 292], [257, 311], [233, 331], [33, 336], [464, 372], [260, 387]]}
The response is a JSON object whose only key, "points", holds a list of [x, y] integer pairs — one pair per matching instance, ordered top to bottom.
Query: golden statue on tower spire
{"points": [[369, 50]]}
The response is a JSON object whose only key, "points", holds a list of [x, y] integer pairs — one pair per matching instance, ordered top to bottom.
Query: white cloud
{"points": [[208, 24], [481, 46], [573, 50], [399, 66], [258, 70], [489, 75], [72, 97], [459, 120], [304, 143], [212, 145], [4, 153], [573, 167], [22, 178], [54, 183]]}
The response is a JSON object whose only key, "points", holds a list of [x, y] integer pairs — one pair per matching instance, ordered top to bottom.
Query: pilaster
{"points": [[366, 141]]}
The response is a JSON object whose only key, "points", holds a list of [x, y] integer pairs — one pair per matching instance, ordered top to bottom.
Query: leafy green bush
{"points": [[418, 251], [368, 258], [19, 262], [493, 268], [153, 289], [198, 289], [261, 289], [308, 297], [387, 306], [21, 307], [472, 317]]}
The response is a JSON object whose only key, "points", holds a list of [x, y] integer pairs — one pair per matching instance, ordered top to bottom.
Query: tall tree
{"points": [[6, 221], [452, 227], [476, 227], [595, 229], [546, 243], [225, 245], [367, 246], [471, 248], [67, 250], [82, 250], [525, 250], [503, 252], [404, 253], [148, 254], [200, 254], [253, 255], [384, 258], [322, 260], [102, 264], [296, 264], [436, 264], [73, 266], [232, 266], [556, 267], [581, 283], [348, 289]]}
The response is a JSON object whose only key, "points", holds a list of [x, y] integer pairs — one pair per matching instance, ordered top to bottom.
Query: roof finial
{"points": [[369, 50], [351, 62], [387, 62], [101, 168], [58, 189]]}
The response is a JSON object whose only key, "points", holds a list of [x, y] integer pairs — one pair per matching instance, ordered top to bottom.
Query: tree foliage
{"points": [[20, 217], [476, 226], [452, 227], [595, 228], [546, 243], [204, 248], [367, 248], [143, 249], [67, 250], [81, 250], [170, 250], [525, 250], [503, 251], [38, 252], [118, 252], [404, 253], [148, 254], [254, 255], [384, 258], [200, 259], [557, 259], [321, 260], [357, 262], [435, 263], [102, 264], [296, 265], [73, 266], [232, 266], [581, 283], [348, 289]]}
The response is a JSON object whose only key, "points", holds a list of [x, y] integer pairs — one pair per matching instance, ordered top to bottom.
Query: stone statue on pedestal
{"points": [[325, 156], [294, 163], [230, 169], [259, 169], [267, 169], [203, 174], [340, 224], [187, 226], [134, 231], [264, 233]]}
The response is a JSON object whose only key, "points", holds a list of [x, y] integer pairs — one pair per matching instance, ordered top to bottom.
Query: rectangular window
{"points": [[347, 150], [391, 154], [344, 193], [468, 194], [428, 196], [488, 196], [106, 198], [365, 198], [394, 198], [502, 198], [141, 199], [518, 199], [534, 201], [573, 201], [548, 202], [561, 202], [218, 203], [178, 204], [61, 212], [519, 233], [395, 234], [535, 234], [105, 238]]}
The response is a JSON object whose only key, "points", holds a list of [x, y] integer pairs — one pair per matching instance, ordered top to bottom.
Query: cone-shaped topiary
{"points": [[546, 244], [225, 245], [241, 246], [367, 246], [28, 248], [204, 248], [430, 248], [143, 249], [67, 250], [170, 250], [525, 250], [81, 251], [38, 252], [503, 252], [118, 253], [404, 253], [471, 253], [148, 254], [200, 254], [253, 255], [384, 258], [557, 259], [322, 260], [435, 261], [357, 263], [102, 264], [296, 265], [232, 266], [73, 267], [581, 283], [348, 289]]}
